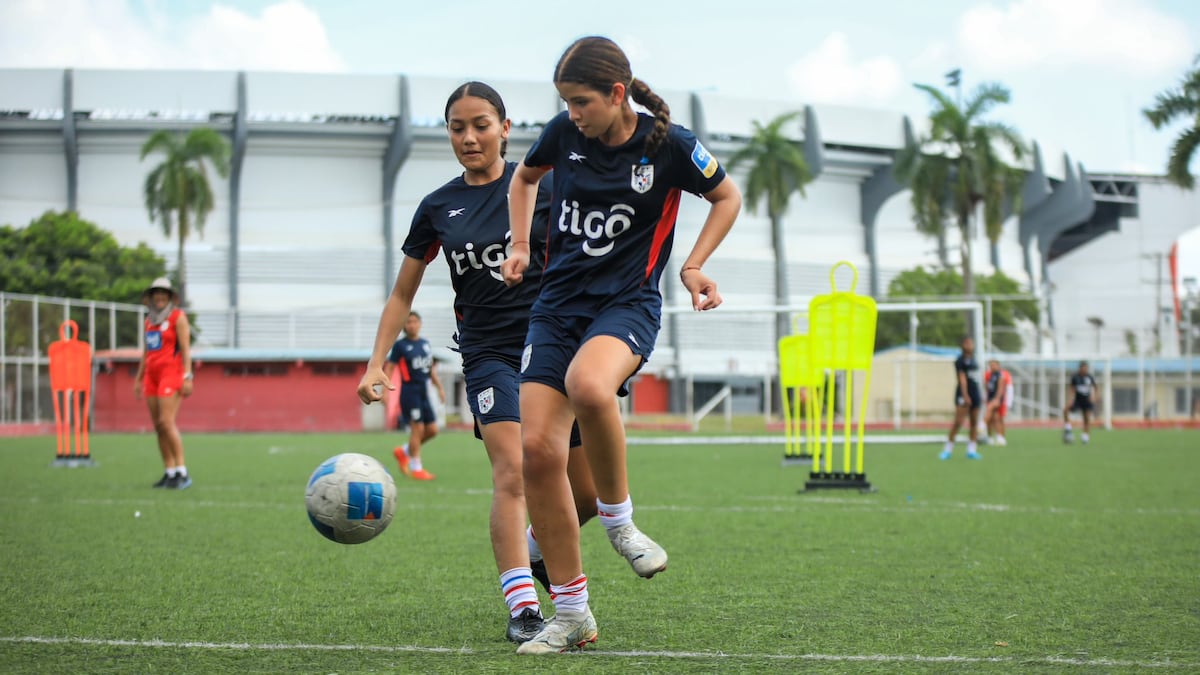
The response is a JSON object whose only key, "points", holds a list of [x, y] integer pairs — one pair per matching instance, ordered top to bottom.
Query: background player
{"points": [[618, 177], [468, 219], [414, 355], [164, 376], [999, 386], [1083, 388], [967, 401]]}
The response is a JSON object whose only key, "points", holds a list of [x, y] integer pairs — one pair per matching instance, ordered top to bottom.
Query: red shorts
{"points": [[162, 381], [1002, 410]]}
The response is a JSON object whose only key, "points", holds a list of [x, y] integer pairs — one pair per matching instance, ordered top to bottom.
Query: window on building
{"points": [[1125, 400], [1181, 402]]}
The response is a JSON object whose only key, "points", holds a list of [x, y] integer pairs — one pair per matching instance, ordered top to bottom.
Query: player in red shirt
{"points": [[164, 376], [1000, 396]]}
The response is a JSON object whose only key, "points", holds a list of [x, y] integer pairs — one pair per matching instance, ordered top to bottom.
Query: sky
{"points": [[1080, 71]]}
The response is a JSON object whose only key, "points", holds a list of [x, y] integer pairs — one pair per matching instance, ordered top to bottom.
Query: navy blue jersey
{"points": [[612, 221], [470, 224], [414, 358], [966, 364], [1084, 385]]}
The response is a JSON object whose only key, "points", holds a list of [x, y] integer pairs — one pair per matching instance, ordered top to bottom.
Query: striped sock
{"points": [[615, 515], [535, 551], [519, 592], [571, 596]]}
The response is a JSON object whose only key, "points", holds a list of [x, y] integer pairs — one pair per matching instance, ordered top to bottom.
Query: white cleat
{"points": [[645, 557], [564, 632]]}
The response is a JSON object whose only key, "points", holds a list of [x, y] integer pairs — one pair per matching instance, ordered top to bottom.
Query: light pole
{"points": [[1098, 324]]}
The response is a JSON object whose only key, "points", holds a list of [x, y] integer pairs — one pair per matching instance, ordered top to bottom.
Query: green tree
{"points": [[1180, 103], [957, 167], [777, 171], [177, 193], [60, 254], [944, 328]]}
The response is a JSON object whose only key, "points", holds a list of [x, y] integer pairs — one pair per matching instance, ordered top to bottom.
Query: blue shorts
{"points": [[553, 341], [493, 386], [973, 398], [415, 406]]}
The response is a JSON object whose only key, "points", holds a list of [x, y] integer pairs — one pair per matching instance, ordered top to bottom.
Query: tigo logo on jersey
{"points": [[703, 160], [643, 178], [599, 228], [486, 399]]}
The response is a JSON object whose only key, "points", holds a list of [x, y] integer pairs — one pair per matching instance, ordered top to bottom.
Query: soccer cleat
{"points": [[1083, 438], [971, 454], [944, 455], [401, 456], [421, 474], [162, 482], [182, 482], [645, 557], [538, 568], [525, 626], [564, 631]]}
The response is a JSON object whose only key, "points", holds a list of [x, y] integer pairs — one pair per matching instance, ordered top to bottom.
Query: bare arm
{"points": [[522, 194], [726, 202], [395, 311], [183, 339], [437, 381]]}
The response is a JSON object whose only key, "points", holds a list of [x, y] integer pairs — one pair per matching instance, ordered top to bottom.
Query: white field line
{"points": [[786, 504], [835, 658]]}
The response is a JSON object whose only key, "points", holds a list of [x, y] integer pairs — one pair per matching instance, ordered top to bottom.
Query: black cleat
{"points": [[162, 482], [182, 482], [538, 568], [523, 627]]}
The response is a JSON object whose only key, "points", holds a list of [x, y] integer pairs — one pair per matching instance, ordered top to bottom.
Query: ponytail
{"points": [[645, 97]]}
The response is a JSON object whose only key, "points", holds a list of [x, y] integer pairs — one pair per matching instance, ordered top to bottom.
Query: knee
{"points": [[588, 395], [431, 430], [541, 453], [507, 480]]}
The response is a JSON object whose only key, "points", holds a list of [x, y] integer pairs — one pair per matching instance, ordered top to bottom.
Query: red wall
{"points": [[242, 396], [651, 396]]}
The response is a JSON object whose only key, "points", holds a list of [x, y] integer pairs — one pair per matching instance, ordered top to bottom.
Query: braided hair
{"points": [[598, 63]]}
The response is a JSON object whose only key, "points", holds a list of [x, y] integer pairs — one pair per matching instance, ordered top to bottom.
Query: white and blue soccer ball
{"points": [[350, 498]]}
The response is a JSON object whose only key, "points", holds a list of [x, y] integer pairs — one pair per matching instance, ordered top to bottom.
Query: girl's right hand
{"points": [[514, 266], [372, 384]]}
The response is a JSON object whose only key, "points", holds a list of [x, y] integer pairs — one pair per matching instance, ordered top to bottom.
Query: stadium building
{"points": [[328, 169]]}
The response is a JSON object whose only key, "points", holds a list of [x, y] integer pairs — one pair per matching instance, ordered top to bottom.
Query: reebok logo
{"points": [[576, 157], [455, 212]]}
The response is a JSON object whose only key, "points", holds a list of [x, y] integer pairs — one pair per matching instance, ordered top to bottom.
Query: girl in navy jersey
{"points": [[618, 177], [467, 218], [967, 400]]}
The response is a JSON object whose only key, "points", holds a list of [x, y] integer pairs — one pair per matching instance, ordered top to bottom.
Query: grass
{"points": [[1040, 558]]}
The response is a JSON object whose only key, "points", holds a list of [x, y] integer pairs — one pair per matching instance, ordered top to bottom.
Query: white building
{"points": [[327, 170]]}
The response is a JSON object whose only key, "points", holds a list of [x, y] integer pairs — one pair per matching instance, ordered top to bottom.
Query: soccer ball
{"points": [[350, 498]]}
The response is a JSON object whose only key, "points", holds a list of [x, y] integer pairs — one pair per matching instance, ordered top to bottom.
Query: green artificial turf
{"points": [[1039, 558]]}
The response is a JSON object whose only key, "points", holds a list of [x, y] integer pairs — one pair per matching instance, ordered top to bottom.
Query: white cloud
{"points": [[287, 35], [1129, 35], [830, 74]]}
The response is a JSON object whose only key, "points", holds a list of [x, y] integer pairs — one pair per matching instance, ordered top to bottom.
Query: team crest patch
{"points": [[704, 160], [643, 178], [486, 399]]}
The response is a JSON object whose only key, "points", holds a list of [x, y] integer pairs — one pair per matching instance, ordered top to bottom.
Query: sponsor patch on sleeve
{"points": [[704, 160]]}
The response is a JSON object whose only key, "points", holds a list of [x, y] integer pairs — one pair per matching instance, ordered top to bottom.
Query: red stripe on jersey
{"points": [[666, 224], [431, 253], [404, 374]]}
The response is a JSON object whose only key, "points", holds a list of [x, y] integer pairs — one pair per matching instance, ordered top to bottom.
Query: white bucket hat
{"points": [[160, 283]]}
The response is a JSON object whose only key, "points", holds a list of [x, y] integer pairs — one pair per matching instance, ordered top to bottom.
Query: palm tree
{"points": [[1171, 104], [957, 167], [777, 170], [177, 193]]}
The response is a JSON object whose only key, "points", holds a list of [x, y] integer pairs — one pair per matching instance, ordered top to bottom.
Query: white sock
{"points": [[1067, 426], [1084, 436], [1000, 439], [971, 446], [948, 447], [414, 463], [181, 471], [172, 472], [613, 516], [535, 551], [519, 593], [571, 596]]}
